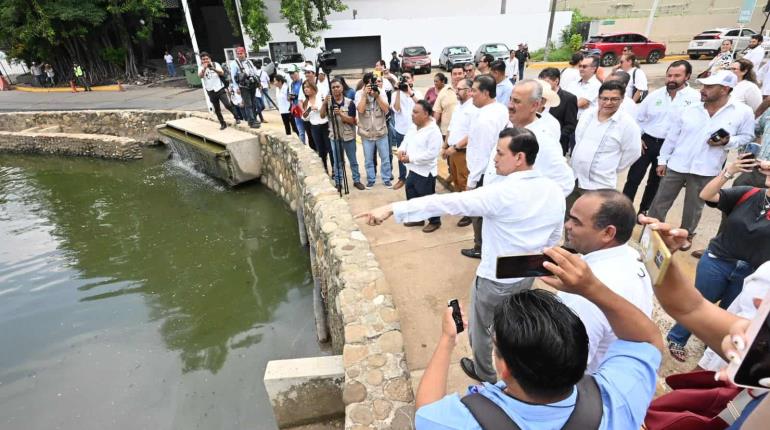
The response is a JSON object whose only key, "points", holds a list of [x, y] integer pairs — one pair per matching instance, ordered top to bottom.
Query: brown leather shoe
{"points": [[399, 184], [359, 186], [464, 221], [414, 224], [430, 228], [698, 253]]}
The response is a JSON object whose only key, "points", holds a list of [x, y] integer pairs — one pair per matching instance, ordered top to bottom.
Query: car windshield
{"points": [[496, 48], [456, 50], [415, 51], [292, 58]]}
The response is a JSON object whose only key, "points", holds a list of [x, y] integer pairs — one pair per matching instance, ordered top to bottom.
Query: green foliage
{"points": [[232, 16], [305, 18], [567, 35], [575, 42], [562, 53], [116, 56]]}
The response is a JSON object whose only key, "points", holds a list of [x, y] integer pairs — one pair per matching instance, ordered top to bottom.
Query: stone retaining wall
{"points": [[87, 145], [363, 321]]}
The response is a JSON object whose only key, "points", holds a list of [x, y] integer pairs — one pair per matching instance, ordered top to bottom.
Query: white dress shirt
{"points": [[755, 55], [512, 68], [569, 76], [211, 80], [638, 81], [588, 90], [503, 91], [748, 93], [282, 98], [629, 106], [658, 110], [314, 117], [402, 118], [461, 121], [550, 124], [482, 138], [423, 147], [602, 149], [686, 149], [550, 161], [523, 213], [621, 271]]}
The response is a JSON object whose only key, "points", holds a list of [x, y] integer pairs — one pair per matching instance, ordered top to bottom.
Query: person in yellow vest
{"points": [[80, 76]]}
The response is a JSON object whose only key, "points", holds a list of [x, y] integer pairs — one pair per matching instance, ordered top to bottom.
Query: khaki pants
{"points": [[459, 169]]}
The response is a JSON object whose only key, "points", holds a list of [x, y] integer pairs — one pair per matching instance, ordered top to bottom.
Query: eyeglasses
{"points": [[463, 89], [610, 99]]}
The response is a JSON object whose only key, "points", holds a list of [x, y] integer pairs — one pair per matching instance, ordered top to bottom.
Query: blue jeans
{"points": [[171, 69], [300, 129], [395, 140], [349, 147], [372, 148], [717, 279]]}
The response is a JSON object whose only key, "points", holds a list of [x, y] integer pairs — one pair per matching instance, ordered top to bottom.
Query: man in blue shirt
{"points": [[541, 348]]}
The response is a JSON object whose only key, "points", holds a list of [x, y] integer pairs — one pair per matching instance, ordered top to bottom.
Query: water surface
{"points": [[141, 295]]}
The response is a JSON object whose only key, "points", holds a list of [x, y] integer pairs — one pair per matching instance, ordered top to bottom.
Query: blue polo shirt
{"points": [[626, 380]]}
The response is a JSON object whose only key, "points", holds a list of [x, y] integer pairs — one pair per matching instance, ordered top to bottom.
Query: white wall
{"points": [[427, 9], [440, 32], [11, 67]]}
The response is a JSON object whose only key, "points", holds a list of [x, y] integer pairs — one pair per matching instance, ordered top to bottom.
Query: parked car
{"points": [[709, 41], [609, 47], [498, 50], [452, 55], [415, 59], [289, 61]]}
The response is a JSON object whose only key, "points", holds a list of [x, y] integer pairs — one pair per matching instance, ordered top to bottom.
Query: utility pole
{"points": [[502, 7], [651, 18], [191, 30], [550, 30]]}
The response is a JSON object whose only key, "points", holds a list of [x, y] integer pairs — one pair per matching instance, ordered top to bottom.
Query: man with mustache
{"points": [[656, 115]]}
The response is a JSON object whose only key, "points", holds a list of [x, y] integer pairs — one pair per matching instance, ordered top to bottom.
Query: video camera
{"points": [[327, 59], [403, 84]]}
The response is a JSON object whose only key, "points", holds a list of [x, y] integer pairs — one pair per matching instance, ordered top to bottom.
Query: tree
{"points": [[305, 18], [94, 33]]}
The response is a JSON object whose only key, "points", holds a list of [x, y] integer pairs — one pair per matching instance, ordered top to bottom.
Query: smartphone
{"points": [[719, 134], [749, 148], [655, 254], [523, 266], [456, 315], [755, 362]]}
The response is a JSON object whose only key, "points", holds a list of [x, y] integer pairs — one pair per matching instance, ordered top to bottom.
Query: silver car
{"points": [[709, 41], [498, 50], [452, 55]]}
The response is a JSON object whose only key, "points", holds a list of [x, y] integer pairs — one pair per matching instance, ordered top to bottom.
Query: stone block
{"points": [[305, 390]]}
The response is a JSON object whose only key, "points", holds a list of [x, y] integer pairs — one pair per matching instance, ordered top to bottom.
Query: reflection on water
{"points": [[137, 295]]}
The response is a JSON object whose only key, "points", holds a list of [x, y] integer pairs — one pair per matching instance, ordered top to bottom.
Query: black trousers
{"points": [[220, 96], [249, 113], [288, 123], [309, 134], [319, 134], [639, 169], [419, 186], [477, 222]]}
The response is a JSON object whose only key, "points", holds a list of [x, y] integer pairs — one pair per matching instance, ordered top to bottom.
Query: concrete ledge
{"points": [[84, 145], [305, 390]]}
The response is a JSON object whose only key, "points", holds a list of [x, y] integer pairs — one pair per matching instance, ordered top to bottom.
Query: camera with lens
{"points": [[327, 59], [403, 84], [374, 87]]}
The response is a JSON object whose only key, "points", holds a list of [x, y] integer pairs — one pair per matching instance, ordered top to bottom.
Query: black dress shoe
{"points": [[223, 126], [464, 222], [414, 224], [430, 228], [471, 252], [469, 367]]}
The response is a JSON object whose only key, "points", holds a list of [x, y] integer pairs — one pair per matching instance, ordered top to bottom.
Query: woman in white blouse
{"points": [[747, 90], [284, 105], [319, 127]]}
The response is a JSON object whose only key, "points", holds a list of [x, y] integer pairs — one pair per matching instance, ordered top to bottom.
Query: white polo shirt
{"points": [[211, 80], [588, 90], [629, 106], [658, 110], [461, 121], [482, 138], [423, 147], [602, 149], [686, 149], [523, 213], [621, 271]]}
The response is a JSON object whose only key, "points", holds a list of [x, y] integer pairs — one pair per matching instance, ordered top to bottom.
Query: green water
{"points": [[142, 296]]}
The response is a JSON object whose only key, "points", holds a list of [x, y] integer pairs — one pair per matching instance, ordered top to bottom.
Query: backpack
{"points": [[226, 78], [587, 414]]}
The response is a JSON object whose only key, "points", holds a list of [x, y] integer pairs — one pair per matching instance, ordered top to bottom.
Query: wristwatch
{"points": [[727, 174]]}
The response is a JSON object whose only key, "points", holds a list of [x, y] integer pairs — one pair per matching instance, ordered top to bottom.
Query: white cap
{"points": [[309, 69], [321, 72], [723, 77]]}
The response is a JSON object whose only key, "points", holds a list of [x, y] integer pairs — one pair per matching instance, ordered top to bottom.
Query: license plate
{"points": [[700, 43]]}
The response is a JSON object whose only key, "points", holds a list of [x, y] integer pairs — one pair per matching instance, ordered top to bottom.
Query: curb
{"points": [[560, 64], [65, 90]]}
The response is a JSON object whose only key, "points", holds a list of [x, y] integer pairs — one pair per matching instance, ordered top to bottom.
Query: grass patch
{"points": [[563, 53]]}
